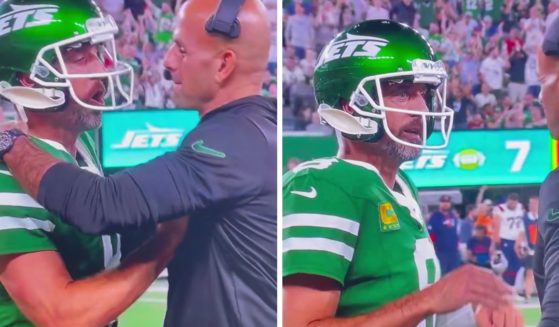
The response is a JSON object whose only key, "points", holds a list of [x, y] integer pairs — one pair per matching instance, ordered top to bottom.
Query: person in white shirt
{"points": [[376, 11], [492, 70], [484, 97]]}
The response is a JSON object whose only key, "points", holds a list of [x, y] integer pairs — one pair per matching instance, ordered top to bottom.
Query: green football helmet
{"points": [[33, 37], [353, 68]]}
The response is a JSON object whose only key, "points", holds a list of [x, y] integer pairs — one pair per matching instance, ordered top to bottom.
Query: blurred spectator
{"points": [[114, 8], [472, 8], [376, 10], [404, 12], [427, 12], [327, 23], [534, 23], [464, 28], [299, 32], [435, 39], [513, 40], [451, 49], [308, 63], [469, 68], [493, 69], [292, 74], [517, 86], [153, 93], [302, 96], [485, 97], [461, 101], [504, 104], [491, 117], [536, 117], [514, 118], [475, 121], [508, 221], [443, 230], [466, 230], [526, 243], [479, 247]]}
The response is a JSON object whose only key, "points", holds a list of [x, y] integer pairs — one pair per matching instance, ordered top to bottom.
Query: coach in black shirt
{"points": [[223, 177], [546, 257]]}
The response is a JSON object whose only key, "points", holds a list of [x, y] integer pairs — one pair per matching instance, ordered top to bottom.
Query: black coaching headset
{"points": [[224, 22]]}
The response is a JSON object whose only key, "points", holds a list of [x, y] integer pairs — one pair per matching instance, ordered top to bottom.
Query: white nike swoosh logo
{"points": [[309, 194]]}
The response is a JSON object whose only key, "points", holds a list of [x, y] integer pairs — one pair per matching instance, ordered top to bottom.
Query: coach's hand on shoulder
{"points": [[468, 284], [505, 316]]}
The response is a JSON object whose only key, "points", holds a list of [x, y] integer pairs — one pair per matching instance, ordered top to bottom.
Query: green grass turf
{"points": [[148, 311], [531, 316]]}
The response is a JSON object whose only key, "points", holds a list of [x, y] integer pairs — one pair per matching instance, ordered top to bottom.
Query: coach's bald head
{"points": [[209, 69]]}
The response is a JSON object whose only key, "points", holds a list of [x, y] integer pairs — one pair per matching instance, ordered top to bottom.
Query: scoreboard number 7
{"points": [[523, 148]]}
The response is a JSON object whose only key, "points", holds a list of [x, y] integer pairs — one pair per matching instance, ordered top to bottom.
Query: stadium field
{"points": [[149, 310]]}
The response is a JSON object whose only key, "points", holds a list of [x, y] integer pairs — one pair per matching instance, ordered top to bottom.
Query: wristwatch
{"points": [[7, 139]]}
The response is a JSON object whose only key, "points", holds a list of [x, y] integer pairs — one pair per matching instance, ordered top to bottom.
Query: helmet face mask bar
{"points": [[101, 34], [431, 74]]}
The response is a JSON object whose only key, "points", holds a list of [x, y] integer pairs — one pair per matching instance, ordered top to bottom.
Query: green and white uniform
{"points": [[473, 7], [341, 221], [25, 227]]}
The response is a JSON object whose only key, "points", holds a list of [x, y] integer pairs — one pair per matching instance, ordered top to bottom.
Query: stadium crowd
{"points": [[488, 47]]}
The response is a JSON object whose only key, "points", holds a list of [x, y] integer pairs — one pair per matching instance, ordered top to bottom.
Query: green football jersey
{"points": [[473, 7], [493, 8], [341, 221], [25, 227]]}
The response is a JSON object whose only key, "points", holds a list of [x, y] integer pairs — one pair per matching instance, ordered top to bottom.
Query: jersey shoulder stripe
{"points": [[322, 221], [28, 223], [318, 244]]}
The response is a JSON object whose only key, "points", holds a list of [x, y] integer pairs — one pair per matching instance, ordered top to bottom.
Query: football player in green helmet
{"points": [[59, 69], [356, 251]]}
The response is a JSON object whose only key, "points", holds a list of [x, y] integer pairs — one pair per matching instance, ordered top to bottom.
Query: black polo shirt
{"points": [[224, 177], [546, 257]]}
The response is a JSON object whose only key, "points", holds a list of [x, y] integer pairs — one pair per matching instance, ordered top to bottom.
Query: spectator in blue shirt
{"points": [[443, 230], [466, 230], [479, 248]]}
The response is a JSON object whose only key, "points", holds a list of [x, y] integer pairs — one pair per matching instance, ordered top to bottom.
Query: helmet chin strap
{"points": [[35, 99], [344, 122]]}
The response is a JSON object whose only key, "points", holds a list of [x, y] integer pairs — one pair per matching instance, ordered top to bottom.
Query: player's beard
{"points": [[86, 119], [399, 152]]}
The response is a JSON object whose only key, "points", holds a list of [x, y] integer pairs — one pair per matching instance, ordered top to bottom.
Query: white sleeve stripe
{"points": [[5, 172], [18, 200], [318, 220], [7, 223], [318, 244]]}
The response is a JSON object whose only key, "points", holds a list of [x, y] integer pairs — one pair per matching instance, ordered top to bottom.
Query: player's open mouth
{"points": [[98, 96], [412, 134]]}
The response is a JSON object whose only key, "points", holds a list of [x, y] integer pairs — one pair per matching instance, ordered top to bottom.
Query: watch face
{"points": [[5, 141]]}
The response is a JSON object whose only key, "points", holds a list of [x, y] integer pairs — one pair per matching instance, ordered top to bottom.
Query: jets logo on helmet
{"points": [[19, 18], [352, 46], [360, 62]]}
